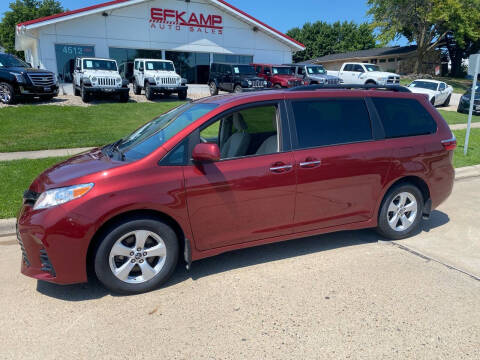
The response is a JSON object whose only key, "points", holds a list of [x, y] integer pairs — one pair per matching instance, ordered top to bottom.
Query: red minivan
{"points": [[235, 171]]}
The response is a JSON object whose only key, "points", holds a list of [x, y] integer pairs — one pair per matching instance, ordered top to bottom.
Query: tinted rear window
{"points": [[404, 117], [322, 122]]}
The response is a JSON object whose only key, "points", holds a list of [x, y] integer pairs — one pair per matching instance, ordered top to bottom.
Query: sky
{"points": [[280, 14]]}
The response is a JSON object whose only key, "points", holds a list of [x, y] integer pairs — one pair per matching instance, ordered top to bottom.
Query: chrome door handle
{"points": [[307, 164], [280, 168]]}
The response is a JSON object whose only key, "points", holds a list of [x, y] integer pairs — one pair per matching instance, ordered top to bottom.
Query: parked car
{"points": [[314, 74], [368, 74], [95, 76], [279, 76], [158, 77], [235, 78], [18, 80], [438, 92], [464, 105], [231, 172]]}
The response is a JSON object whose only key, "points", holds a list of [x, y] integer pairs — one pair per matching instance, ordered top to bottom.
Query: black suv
{"points": [[234, 78], [19, 80]]}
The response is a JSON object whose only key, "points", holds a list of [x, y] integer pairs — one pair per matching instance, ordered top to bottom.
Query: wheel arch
{"points": [[370, 81], [417, 181], [123, 216]]}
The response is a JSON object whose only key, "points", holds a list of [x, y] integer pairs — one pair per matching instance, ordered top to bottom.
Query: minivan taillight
{"points": [[450, 144]]}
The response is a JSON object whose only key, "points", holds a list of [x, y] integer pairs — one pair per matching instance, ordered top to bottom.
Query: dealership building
{"points": [[191, 33]]}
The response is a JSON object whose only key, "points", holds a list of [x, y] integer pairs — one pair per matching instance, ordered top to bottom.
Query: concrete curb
{"points": [[7, 226]]}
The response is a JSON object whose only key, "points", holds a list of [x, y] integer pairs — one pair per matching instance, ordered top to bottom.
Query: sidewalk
{"points": [[475, 125], [41, 154]]}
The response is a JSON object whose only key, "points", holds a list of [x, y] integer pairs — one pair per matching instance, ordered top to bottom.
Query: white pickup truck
{"points": [[364, 74]]}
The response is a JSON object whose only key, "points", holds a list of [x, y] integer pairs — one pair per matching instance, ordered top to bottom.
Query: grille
{"points": [[42, 79], [393, 80], [103, 81], [168, 81], [333, 81], [257, 83], [295, 83], [24, 253], [45, 261]]}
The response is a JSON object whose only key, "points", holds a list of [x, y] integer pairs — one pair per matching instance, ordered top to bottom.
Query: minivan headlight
{"points": [[60, 196]]}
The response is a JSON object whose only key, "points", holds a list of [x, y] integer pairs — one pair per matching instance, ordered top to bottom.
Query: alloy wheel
{"points": [[5, 95], [402, 211], [137, 257]]}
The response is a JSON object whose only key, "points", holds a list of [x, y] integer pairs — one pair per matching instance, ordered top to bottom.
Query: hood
{"points": [[23, 70], [101, 73], [381, 73], [322, 76], [250, 77], [285, 77], [428, 92], [469, 95], [70, 172]]}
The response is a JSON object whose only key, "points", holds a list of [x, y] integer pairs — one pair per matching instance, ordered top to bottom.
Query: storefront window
{"points": [[66, 55], [125, 58], [233, 59], [194, 67]]}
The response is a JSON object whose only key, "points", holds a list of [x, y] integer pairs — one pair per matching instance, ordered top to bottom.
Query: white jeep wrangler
{"points": [[93, 76], [157, 77]]}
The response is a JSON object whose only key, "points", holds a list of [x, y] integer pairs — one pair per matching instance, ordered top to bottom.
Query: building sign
{"points": [[168, 19]]}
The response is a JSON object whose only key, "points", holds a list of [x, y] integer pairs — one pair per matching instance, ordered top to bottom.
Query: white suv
{"points": [[93, 76], [157, 76]]}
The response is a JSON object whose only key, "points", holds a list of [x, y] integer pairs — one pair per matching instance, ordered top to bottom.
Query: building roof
{"points": [[121, 3], [369, 53]]}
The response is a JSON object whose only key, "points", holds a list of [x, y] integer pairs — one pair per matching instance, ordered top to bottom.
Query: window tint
{"points": [[348, 67], [358, 68], [442, 86], [404, 117], [322, 122], [243, 133], [178, 156]]}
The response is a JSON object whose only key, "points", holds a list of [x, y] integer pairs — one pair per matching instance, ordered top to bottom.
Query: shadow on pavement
{"points": [[240, 259]]}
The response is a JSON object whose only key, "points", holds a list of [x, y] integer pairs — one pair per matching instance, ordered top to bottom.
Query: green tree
{"points": [[24, 10], [425, 22], [321, 38]]}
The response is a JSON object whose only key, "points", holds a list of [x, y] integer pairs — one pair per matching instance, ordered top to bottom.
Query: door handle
{"points": [[310, 163], [280, 168]]}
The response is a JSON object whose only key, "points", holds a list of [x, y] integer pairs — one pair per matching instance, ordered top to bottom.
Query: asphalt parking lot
{"points": [[343, 295]]}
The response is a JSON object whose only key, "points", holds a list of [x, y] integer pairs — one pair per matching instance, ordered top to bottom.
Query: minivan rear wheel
{"points": [[401, 212], [136, 256]]}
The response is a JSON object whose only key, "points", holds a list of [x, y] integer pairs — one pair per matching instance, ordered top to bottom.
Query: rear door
{"points": [[341, 169], [249, 194]]}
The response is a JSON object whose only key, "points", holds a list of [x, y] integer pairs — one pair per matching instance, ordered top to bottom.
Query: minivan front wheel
{"points": [[401, 212], [136, 256]]}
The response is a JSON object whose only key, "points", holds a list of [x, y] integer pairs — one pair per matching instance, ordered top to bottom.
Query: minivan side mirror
{"points": [[206, 152]]}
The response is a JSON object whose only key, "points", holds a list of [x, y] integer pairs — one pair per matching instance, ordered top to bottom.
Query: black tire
{"points": [[277, 86], [213, 88], [136, 89], [237, 89], [76, 92], [148, 92], [7, 94], [182, 95], [124, 97], [86, 98], [432, 101], [447, 102], [384, 227], [102, 255]]}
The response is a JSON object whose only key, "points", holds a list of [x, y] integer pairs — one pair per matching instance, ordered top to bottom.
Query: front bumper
{"points": [[166, 88], [252, 89], [30, 90], [106, 90], [54, 244]]}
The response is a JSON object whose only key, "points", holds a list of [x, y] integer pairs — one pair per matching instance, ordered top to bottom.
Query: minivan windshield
{"points": [[7, 60], [95, 64], [159, 65], [244, 70], [316, 70], [149, 137]]}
